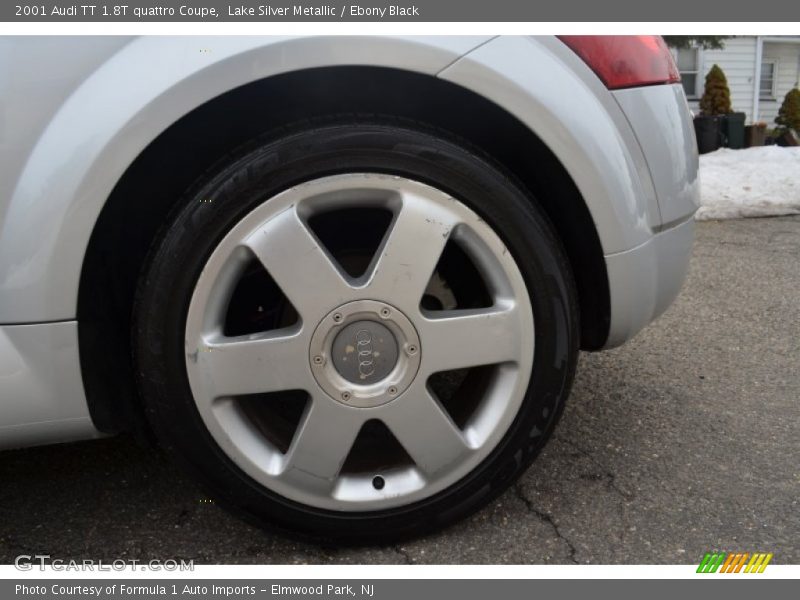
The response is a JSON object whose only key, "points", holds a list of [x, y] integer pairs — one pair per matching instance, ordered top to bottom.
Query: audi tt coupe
{"points": [[342, 280]]}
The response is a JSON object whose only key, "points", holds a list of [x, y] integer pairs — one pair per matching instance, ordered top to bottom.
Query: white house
{"points": [[760, 70]]}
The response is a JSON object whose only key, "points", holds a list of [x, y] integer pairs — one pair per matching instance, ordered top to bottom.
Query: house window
{"points": [[688, 60], [766, 86]]}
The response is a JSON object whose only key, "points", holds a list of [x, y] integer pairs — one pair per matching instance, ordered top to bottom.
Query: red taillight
{"points": [[626, 60]]}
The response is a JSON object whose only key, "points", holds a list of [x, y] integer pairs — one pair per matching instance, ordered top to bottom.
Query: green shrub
{"points": [[716, 98], [789, 114]]}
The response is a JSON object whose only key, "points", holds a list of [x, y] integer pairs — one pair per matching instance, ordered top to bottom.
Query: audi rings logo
{"points": [[366, 355]]}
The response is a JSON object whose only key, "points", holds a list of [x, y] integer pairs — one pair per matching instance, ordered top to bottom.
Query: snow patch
{"points": [[754, 182]]}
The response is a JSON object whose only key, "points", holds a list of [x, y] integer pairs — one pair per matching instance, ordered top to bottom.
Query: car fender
{"points": [[547, 87], [114, 112]]}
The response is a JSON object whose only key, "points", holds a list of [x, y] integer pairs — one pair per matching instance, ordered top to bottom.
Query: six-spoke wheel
{"points": [[358, 331]]}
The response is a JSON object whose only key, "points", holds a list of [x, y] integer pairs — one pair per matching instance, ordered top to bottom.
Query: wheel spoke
{"points": [[412, 249], [299, 264], [460, 339], [236, 366], [425, 431], [321, 445]]}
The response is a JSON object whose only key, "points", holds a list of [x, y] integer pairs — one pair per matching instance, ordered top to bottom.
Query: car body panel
{"points": [[547, 87], [115, 112], [661, 118], [611, 144], [645, 280], [41, 390]]}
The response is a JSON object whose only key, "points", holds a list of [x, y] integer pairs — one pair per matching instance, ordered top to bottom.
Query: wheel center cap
{"points": [[364, 352]]}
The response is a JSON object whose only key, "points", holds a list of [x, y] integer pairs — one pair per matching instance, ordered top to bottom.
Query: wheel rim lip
{"points": [[351, 492]]}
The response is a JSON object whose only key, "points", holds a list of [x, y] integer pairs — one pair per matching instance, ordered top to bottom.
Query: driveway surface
{"points": [[685, 440]]}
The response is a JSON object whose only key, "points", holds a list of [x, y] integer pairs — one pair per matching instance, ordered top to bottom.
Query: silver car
{"points": [[343, 280]]}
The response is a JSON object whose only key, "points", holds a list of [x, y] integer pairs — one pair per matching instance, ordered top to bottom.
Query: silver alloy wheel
{"points": [[304, 356]]}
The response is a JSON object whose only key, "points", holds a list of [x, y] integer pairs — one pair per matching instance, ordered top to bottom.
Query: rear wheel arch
{"points": [[143, 198]]}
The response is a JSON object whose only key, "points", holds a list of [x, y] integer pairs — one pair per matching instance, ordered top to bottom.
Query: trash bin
{"points": [[733, 130], [707, 131], [755, 135]]}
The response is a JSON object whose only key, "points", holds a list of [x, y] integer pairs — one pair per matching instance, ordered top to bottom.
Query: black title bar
{"points": [[265, 11]]}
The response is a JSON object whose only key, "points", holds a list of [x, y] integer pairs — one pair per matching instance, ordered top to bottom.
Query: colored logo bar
{"points": [[734, 562]]}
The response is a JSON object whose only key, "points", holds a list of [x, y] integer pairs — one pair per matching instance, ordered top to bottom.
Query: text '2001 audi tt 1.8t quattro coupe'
{"points": [[344, 280]]}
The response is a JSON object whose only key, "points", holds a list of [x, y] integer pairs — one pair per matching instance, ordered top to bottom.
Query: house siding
{"points": [[787, 57], [738, 61]]}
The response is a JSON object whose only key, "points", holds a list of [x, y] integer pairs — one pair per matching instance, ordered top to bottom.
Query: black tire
{"points": [[237, 186]]}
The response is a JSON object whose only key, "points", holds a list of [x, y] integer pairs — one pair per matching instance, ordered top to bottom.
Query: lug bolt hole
{"points": [[385, 312], [337, 318], [412, 349], [318, 360], [392, 391], [346, 396], [378, 482]]}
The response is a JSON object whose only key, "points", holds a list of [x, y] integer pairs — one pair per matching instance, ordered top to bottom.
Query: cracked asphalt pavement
{"points": [[685, 440]]}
